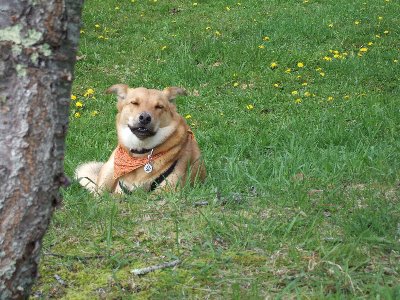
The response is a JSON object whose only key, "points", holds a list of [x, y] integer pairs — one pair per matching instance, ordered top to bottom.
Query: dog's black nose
{"points": [[144, 118]]}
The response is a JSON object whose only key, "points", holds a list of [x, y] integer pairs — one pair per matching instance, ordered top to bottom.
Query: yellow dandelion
{"points": [[195, 4], [117, 8], [227, 8], [380, 18], [357, 22], [97, 25], [330, 25], [208, 28], [81, 31], [386, 32], [217, 33], [377, 36], [266, 38], [370, 43], [261, 47], [163, 48], [364, 49], [337, 56], [327, 58], [395, 61], [273, 65], [300, 65], [318, 69], [288, 70], [322, 74], [236, 84], [304, 84], [276, 85], [88, 93], [294, 93], [307, 94], [73, 97], [346, 97], [330, 98], [297, 101], [79, 104], [249, 106], [94, 113], [77, 115], [187, 117]]}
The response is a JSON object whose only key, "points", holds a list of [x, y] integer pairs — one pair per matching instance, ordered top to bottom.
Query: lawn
{"points": [[295, 105]]}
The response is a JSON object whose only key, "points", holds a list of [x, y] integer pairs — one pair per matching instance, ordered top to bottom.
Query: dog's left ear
{"points": [[119, 89], [173, 92]]}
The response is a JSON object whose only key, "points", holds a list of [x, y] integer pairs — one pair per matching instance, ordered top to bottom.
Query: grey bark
{"points": [[38, 40]]}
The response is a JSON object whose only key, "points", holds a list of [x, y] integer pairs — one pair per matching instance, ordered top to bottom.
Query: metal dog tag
{"points": [[148, 168]]}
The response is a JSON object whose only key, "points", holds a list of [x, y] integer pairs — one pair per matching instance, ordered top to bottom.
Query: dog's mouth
{"points": [[141, 132]]}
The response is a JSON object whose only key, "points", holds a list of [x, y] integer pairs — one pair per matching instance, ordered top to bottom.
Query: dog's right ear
{"points": [[119, 89]]}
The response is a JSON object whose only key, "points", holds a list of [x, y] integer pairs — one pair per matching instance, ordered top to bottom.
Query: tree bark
{"points": [[38, 41]]}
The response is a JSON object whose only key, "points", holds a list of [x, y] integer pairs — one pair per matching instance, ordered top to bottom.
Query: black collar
{"points": [[143, 151]]}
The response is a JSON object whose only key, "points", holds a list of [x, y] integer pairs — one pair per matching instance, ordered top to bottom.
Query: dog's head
{"points": [[146, 117]]}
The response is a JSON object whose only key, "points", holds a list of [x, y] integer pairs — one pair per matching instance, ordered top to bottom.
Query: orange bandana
{"points": [[124, 163]]}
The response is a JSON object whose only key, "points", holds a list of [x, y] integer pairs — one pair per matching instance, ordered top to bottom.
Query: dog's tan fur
{"points": [[169, 134]]}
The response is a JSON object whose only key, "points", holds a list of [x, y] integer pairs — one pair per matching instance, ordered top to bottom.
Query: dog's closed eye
{"points": [[134, 103], [159, 106]]}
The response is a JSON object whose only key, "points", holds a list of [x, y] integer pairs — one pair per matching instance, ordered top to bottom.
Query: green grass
{"points": [[303, 188]]}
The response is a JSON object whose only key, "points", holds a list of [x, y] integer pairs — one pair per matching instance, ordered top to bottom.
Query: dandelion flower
{"points": [[195, 4], [117, 8], [227, 8], [380, 18], [357, 22], [330, 25], [97, 26], [208, 28], [81, 31], [386, 32], [217, 33], [377, 36], [266, 38], [370, 43], [261, 47], [163, 48], [364, 49], [327, 58], [395, 61], [273, 65], [300, 65], [288, 70], [322, 74], [304, 83], [236, 84], [276, 85], [88, 93], [294, 93], [307, 94], [73, 97], [346, 97], [330, 98], [297, 101], [79, 104], [249, 106], [94, 113], [77, 115], [187, 117]]}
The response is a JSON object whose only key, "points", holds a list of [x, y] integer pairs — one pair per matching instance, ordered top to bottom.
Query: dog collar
{"points": [[143, 151]]}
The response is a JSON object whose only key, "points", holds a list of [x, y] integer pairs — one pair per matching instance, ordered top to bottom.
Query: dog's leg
{"points": [[87, 175], [106, 180]]}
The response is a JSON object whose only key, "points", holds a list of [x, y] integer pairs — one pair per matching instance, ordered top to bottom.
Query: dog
{"points": [[156, 149]]}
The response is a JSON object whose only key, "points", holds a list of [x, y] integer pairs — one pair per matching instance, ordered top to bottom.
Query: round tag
{"points": [[148, 168]]}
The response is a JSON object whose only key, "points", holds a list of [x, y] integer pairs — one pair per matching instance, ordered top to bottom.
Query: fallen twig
{"points": [[200, 203], [146, 270], [60, 280]]}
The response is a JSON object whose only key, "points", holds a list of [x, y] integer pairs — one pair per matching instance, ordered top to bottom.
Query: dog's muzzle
{"points": [[143, 128]]}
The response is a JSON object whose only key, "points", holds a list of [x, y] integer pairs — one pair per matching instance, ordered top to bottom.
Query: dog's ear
{"points": [[119, 89], [173, 92]]}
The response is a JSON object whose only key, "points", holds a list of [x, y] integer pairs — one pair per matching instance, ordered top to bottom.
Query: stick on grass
{"points": [[146, 270]]}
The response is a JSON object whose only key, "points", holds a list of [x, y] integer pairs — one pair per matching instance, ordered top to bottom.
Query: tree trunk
{"points": [[38, 40]]}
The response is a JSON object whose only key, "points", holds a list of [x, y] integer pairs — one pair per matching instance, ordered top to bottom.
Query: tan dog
{"points": [[156, 148]]}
